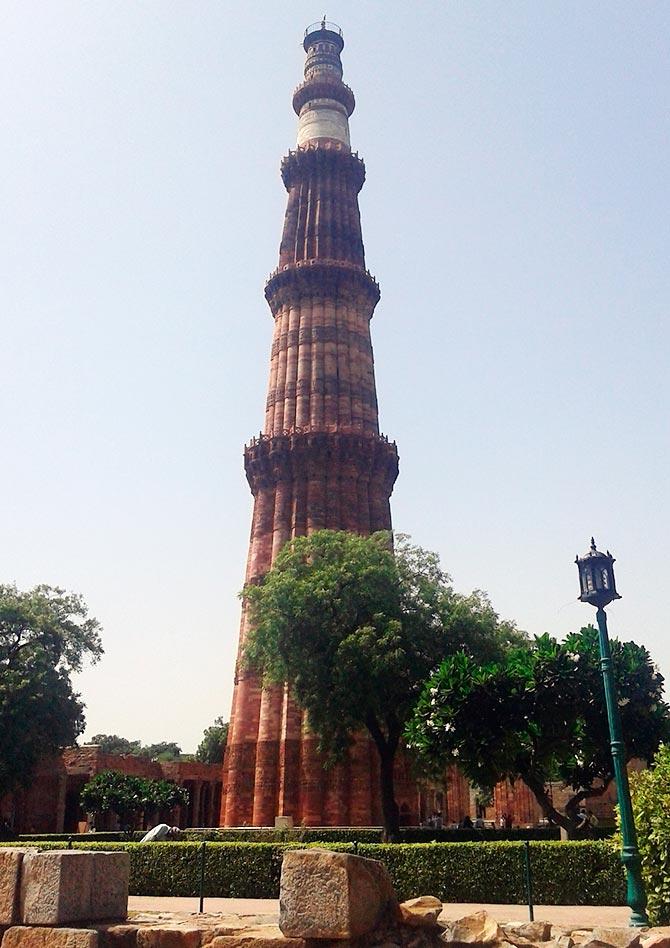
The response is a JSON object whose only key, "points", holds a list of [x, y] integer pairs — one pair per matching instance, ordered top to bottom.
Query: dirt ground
{"points": [[572, 916]]}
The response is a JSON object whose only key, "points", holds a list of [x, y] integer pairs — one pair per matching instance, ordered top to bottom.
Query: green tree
{"points": [[355, 628], [45, 635], [539, 715], [113, 744], [213, 744], [163, 750], [114, 792], [650, 794], [129, 796], [161, 796]]}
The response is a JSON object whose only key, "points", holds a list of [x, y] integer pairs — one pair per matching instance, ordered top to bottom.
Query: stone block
{"points": [[10, 876], [72, 886], [56, 887], [109, 894], [332, 895], [421, 911], [478, 928], [526, 932], [581, 935], [117, 936], [162, 937], [619, 937], [50, 938], [657, 938], [252, 940], [562, 941]]}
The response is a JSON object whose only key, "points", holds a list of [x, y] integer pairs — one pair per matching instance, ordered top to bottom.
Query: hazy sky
{"points": [[516, 215]]}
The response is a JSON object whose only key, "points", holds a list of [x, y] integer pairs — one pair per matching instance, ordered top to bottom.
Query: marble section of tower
{"points": [[320, 461]]}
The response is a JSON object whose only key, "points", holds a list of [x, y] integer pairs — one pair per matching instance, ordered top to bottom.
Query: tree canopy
{"points": [[355, 627], [45, 635], [539, 715], [113, 744], [213, 744], [128, 796]]}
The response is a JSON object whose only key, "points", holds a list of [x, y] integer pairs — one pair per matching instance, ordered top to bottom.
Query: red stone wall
{"points": [[90, 760], [517, 801], [51, 802], [38, 808]]}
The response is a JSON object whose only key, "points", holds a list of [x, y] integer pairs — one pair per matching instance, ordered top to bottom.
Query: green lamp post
{"points": [[596, 579]]}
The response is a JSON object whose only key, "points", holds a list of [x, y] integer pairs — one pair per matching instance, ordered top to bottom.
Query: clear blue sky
{"points": [[516, 215]]}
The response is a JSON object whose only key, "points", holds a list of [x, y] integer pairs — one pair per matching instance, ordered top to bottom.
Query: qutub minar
{"points": [[321, 461]]}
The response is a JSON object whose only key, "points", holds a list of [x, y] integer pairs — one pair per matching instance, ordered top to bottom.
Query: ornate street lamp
{"points": [[598, 588]]}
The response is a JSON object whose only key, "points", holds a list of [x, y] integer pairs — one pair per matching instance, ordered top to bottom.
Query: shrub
{"points": [[650, 794], [299, 834], [412, 834], [306, 835], [113, 836], [232, 870], [576, 873]]}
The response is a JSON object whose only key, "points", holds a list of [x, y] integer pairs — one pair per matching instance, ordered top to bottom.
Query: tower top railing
{"points": [[323, 25]]}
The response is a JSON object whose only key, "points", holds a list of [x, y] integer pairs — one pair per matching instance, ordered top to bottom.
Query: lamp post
{"points": [[596, 579]]}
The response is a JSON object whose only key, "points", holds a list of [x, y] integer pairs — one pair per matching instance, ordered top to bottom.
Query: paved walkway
{"points": [[572, 916]]}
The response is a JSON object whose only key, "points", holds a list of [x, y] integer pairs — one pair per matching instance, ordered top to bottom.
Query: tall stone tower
{"points": [[320, 461]]}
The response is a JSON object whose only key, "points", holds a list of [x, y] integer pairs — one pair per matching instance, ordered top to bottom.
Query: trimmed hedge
{"points": [[251, 834], [413, 834], [307, 835], [105, 837], [570, 873], [574, 873]]}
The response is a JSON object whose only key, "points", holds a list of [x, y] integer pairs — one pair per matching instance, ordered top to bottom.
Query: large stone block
{"points": [[10, 876], [72, 886], [56, 887], [109, 895], [332, 895], [478, 928], [519, 933], [162, 937], [619, 937], [49, 938], [657, 938], [253, 940], [596, 943]]}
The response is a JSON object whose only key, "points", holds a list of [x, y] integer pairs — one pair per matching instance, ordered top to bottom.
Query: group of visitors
{"points": [[586, 819], [435, 821]]}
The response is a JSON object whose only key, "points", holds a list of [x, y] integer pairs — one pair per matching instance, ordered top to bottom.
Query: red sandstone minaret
{"points": [[320, 461]]}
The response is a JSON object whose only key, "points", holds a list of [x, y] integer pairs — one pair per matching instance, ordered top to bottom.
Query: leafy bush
{"points": [[650, 793], [128, 795], [580, 873]]}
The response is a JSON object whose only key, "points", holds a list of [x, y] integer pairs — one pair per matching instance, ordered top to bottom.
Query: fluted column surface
{"points": [[320, 461]]}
